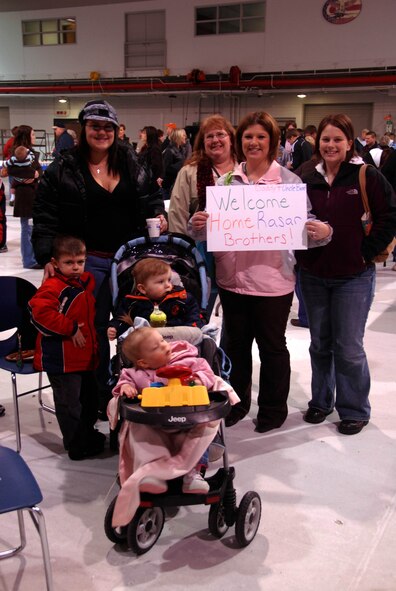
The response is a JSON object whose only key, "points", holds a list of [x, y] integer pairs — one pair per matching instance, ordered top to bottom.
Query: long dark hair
{"points": [[268, 123], [343, 123], [151, 136], [23, 137], [113, 159]]}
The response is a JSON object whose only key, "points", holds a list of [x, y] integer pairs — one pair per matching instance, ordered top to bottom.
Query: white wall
{"points": [[297, 37], [138, 111]]}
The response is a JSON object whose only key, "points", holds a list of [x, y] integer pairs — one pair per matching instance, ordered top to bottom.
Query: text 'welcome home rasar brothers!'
{"points": [[256, 217]]}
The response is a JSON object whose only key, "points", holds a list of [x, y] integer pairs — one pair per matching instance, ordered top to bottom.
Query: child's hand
{"points": [[111, 333], [78, 338], [197, 381], [128, 391]]}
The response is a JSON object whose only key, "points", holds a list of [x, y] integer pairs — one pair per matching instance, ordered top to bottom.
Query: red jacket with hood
{"points": [[57, 308]]}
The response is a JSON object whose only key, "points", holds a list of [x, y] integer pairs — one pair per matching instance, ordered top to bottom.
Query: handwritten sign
{"points": [[256, 217]]}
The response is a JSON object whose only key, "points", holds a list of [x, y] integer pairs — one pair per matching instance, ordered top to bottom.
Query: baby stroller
{"points": [[181, 253], [186, 262], [145, 527]]}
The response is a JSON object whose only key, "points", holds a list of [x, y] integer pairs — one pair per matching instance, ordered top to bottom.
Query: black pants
{"points": [[100, 268], [264, 319], [76, 406]]}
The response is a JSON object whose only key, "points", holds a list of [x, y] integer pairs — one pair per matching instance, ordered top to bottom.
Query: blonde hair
{"points": [[177, 136], [146, 268], [132, 345]]}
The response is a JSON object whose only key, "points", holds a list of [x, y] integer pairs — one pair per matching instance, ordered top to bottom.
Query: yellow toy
{"points": [[157, 318], [180, 390]]}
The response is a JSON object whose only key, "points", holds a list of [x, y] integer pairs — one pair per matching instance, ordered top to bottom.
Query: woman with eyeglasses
{"points": [[213, 155], [92, 193], [256, 287]]}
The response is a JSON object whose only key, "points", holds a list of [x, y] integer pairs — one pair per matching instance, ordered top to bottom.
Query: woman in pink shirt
{"points": [[256, 287]]}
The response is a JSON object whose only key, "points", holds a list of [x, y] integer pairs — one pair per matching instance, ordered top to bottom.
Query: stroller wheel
{"points": [[248, 518], [217, 524], [145, 529], [117, 535]]}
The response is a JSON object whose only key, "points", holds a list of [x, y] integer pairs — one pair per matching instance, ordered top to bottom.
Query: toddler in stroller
{"points": [[180, 253], [155, 298], [149, 456]]}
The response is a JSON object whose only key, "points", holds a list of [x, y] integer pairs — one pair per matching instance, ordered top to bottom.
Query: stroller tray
{"points": [[179, 417]]}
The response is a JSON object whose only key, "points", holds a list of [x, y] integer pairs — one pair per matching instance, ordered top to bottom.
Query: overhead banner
{"points": [[256, 217]]}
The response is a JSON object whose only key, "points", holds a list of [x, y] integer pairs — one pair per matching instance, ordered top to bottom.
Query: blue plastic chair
{"points": [[14, 314], [18, 491]]}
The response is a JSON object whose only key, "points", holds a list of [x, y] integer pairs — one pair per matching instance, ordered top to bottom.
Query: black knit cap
{"points": [[98, 111]]}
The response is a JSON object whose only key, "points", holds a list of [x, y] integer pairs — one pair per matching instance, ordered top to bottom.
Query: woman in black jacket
{"points": [[174, 157], [150, 158], [25, 171], [93, 193], [338, 279]]}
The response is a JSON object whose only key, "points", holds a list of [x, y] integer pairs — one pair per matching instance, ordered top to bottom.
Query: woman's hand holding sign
{"points": [[198, 221], [317, 230]]}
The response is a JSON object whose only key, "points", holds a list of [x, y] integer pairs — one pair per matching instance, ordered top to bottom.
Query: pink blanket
{"points": [[149, 451]]}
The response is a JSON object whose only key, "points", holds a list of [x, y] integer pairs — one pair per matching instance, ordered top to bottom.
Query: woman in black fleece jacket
{"points": [[338, 279]]}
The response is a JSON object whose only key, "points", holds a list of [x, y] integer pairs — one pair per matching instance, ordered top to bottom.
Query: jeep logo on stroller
{"points": [[173, 419]]}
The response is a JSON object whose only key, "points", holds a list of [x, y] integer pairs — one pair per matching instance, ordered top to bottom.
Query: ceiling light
{"points": [[301, 95], [62, 100]]}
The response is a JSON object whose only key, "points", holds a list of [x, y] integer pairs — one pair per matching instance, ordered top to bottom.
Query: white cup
{"points": [[153, 227]]}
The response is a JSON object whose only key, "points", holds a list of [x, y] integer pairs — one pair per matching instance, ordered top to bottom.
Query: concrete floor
{"points": [[328, 501]]}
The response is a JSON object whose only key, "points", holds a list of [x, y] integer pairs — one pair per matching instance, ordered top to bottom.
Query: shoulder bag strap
{"points": [[363, 192]]}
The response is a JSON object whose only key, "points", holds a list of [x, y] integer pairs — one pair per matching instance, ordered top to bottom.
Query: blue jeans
{"points": [[28, 259], [100, 269], [337, 312], [302, 313]]}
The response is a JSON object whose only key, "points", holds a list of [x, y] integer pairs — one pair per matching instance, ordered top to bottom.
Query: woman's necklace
{"points": [[99, 167]]}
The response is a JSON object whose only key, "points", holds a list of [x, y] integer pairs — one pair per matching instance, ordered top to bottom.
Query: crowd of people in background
{"points": [[255, 287]]}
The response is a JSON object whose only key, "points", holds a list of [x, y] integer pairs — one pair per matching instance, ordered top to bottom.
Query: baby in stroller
{"points": [[155, 298], [149, 456]]}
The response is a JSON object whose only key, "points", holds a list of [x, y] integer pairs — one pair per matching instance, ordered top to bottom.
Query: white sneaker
{"points": [[194, 483], [153, 485]]}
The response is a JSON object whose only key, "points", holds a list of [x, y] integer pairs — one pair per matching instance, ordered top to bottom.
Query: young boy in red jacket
{"points": [[63, 311]]}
